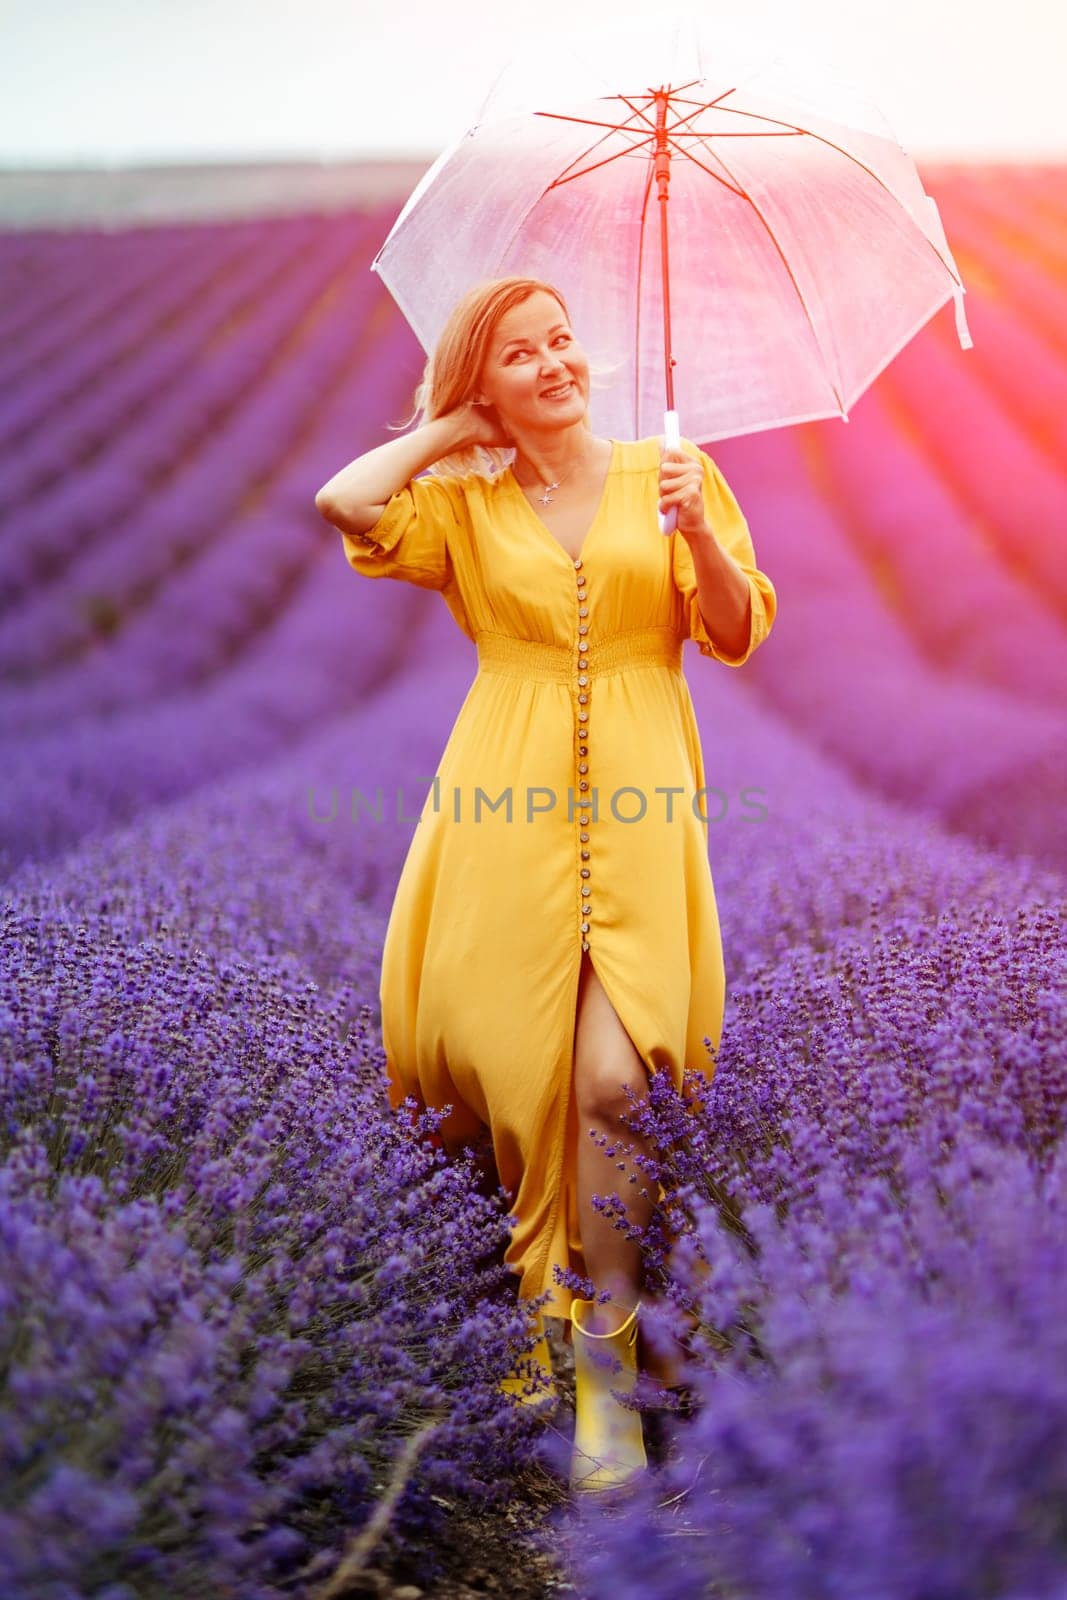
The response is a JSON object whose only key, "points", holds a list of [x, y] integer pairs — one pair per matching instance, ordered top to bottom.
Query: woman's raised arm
{"points": [[354, 498]]}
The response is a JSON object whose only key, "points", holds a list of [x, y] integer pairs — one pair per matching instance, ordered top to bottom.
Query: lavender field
{"points": [[253, 1325]]}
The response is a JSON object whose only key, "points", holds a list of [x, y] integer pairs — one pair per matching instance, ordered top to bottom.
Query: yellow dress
{"points": [[550, 825]]}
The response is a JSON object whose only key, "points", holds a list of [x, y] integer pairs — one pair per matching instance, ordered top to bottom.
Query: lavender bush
{"points": [[863, 1254], [234, 1289]]}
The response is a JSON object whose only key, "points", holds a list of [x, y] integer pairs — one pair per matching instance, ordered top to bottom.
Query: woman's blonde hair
{"points": [[451, 374]]}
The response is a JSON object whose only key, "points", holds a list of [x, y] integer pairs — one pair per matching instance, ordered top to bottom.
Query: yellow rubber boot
{"points": [[520, 1384], [609, 1443]]}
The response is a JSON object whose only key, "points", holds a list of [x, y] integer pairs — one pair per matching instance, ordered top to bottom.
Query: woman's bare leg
{"points": [[604, 1059]]}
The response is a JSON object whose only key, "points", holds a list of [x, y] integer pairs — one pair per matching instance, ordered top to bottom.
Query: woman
{"points": [[557, 938]]}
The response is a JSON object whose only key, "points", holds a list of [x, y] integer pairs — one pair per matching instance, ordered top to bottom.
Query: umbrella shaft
{"points": [[662, 168]]}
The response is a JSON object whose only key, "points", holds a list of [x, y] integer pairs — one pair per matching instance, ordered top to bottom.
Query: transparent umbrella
{"points": [[795, 251]]}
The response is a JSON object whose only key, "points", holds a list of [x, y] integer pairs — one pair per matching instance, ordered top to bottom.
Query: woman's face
{"points": [[533, 350]]}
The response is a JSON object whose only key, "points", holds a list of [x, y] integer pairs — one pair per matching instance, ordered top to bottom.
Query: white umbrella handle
{"points": [[672, 438]]}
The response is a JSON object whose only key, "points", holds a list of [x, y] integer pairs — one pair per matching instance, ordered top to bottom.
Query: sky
{"points": [[104, 83]]}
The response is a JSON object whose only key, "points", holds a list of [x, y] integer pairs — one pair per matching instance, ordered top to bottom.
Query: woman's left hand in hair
{"points": [[681, 482]]}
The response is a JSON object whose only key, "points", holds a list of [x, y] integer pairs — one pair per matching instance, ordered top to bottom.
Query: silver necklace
{"points": [[546, 498]]}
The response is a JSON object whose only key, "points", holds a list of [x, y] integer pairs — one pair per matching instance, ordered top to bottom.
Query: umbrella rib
{"points": [[633, 102], [698, 106], [592, 122], [615, 127], [807, 133], [584, 172], [565, 175], [717, 176], [557, 180], [799, 292]]}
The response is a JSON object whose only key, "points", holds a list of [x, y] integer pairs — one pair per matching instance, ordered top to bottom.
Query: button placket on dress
{"points": [[585, 905]]}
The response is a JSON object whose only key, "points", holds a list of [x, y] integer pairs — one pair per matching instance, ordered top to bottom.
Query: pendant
{"points": [[544, 500]]}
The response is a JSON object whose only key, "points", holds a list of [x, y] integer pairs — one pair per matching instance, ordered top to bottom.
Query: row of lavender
{"points": [[243, 1304]]}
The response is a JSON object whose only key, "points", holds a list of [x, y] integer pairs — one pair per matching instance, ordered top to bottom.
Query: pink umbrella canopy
{"points": [[738, 235]]}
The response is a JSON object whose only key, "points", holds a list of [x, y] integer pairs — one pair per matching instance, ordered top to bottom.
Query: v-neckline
{"points": [[547, 531]]}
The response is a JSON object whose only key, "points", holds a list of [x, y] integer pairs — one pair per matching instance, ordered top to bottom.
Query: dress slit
{"points": [[614, 1007], [566, 1176]]}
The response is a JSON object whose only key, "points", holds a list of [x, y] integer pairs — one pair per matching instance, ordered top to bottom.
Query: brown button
{"points": [[583, 611], [583, 627], [583, 680], [583, 699], [582, 715], [583, 766], [583, 784], [584, 821], [584, 837], [584, 853], [584, 871], [586, 889], [585, 927], [585, 944]]}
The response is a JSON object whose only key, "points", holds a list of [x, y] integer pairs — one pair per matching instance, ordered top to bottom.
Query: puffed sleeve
{"points": [[727, 522], [410, 540]]}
